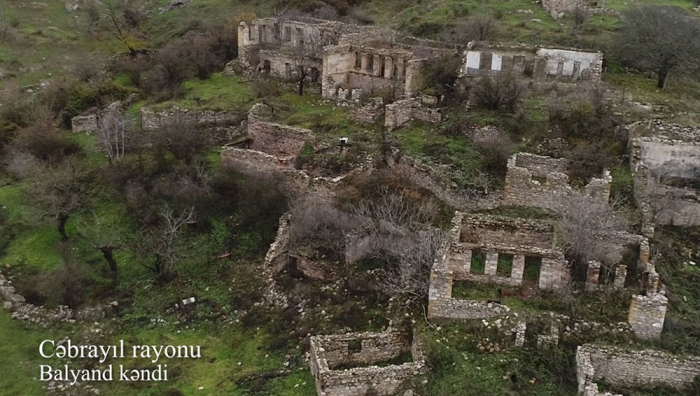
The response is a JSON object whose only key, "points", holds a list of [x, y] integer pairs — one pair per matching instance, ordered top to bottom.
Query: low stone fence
{"points": [[273, 138], [22, 310], [332, 358], [624, 368]]}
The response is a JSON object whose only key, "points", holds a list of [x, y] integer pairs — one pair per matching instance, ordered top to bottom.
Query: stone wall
{"points": [[539, 63], [403, 111], [369, 112], [84, 123], [223, 126], [269, 137], [656, 163], [524, 189], [493, 236], [22, 310], [647, 315], [329, 353], [623, 368]]}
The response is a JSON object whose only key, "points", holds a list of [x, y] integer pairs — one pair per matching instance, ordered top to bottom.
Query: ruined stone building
{"points": [[277, 47], [537, 63], [376, 64], [665, 162], [538, 181], [494, 249], [517, 252], [348, 364]]}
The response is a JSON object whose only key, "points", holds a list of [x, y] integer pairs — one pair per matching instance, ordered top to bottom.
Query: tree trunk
{"points": [[663, 80], [301, 86], [62, 220], [108, 253]]}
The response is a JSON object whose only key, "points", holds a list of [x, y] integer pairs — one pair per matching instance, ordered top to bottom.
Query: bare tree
{"points": [[579, 18], [482, 27], [121, 29], [5, 30], [662, 39], [303, 54], [112, 134], [22, 164], [59, 192], [317, 222], [583, 222], [400, 233], [103, 237], [164, 242]]}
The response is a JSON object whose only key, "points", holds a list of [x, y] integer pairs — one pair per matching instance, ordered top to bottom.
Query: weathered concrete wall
{"points": [[542, 64], [403, 111], [273, 138], [523, 189], [329, 352], [619, 367]]}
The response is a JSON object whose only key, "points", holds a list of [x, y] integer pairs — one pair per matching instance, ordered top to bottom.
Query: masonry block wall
{"points": [[541, 64], [403, 111], [86, 123], [273, 138], [534, 180], [647, 315], [330, 357], [624, 368]]}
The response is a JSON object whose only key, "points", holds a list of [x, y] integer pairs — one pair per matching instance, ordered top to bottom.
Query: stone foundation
{"points": [[331, 355], [624, 368]]}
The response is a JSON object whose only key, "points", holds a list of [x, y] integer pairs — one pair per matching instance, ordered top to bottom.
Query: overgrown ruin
{"points": [[665, 163], [538, 181], [347, 364]]}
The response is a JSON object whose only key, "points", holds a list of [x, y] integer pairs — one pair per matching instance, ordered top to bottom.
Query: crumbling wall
{"points": [[539, 63], [403, 111], [369, 112], [84, 123], [222, 126], [273, 138], [656, 163], [524, 189], [22, 310], [647, 315], [333, 351], [623, 368]]}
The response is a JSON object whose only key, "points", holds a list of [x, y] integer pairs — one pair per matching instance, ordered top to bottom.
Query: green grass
{"points": [[220, 92], [19, 348]]}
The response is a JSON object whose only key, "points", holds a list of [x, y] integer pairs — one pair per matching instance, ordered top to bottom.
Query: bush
{"points": [[441, 74], [501, 93], [584, 118], [182, 138], [45, 142], [495, 151], [588, 161], [318, 223]]}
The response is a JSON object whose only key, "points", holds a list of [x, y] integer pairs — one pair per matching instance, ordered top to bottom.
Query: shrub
{"points": [[483, 27], [441, 74], [501, 93], [585, 117], [182, 138], [45, 142], [495, 151], [588, 161], [318, 223]]}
